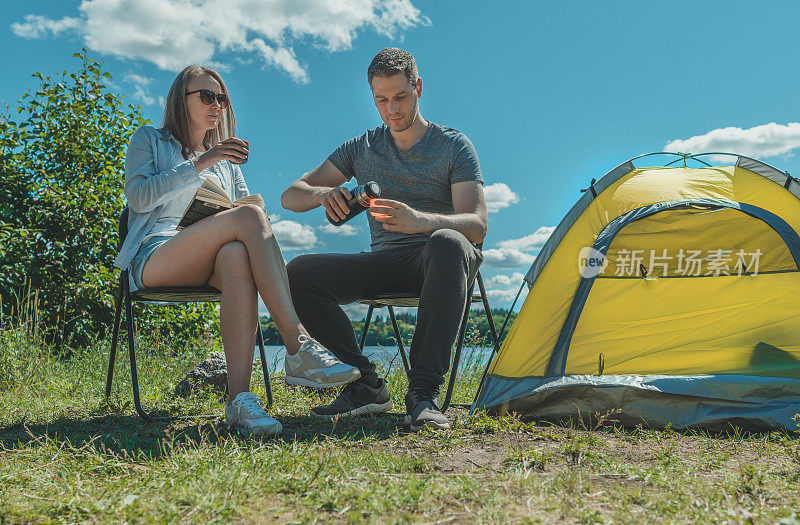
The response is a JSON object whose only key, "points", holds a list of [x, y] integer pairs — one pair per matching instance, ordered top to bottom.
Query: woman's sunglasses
{"points": [[207, 97]]}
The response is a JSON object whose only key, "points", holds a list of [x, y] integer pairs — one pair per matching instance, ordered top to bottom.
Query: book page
{"points": [[213, 186], [204, 194], [256, 199]]}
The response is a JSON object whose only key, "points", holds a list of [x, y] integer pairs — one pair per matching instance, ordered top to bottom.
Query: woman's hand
{"points": [[232, 149], [335, 202]]}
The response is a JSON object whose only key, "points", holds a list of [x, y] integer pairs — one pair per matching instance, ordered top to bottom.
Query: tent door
{"points": [[788, 258]]}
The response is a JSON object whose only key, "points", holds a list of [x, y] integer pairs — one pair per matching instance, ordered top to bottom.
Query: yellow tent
{"points": [[669, 293]]}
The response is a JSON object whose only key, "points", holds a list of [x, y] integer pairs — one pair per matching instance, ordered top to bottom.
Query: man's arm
{"points": [[320, 187], [469, 218]]}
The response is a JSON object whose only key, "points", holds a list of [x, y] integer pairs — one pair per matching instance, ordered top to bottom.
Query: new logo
{"points": [[591, 262]]}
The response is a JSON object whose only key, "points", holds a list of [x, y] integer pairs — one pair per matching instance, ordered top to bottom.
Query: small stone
{"points": [[209, 374]]}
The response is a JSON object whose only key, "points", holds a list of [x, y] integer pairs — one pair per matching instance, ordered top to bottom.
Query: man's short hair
{"points": [[391, 61]]}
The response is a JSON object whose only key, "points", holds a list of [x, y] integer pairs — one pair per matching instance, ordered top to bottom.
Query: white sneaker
{"points": [[315, 366], [245, 415]]}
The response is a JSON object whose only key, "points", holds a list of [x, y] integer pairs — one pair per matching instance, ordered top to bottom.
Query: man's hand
{"points": [[315, 188], [335, 202], [397, 217], [469, 218]]}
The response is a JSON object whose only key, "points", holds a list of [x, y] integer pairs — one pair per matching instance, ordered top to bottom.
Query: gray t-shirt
{"points": [[420, 176]]}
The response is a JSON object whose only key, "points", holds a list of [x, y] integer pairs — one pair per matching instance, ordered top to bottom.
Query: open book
{"points": [[209, 199]]}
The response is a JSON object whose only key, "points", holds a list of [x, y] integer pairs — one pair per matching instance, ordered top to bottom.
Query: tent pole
{"points": [[496, 345]]}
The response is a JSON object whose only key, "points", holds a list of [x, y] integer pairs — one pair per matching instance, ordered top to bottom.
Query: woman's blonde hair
{"points": [[176, 118]]}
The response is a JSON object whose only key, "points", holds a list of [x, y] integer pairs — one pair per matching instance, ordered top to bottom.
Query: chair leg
{"points": [[488, 310], [366, 327], [492, 329], [114, 337], [399, 340], [459, 345], [132, 352], [264, 368]]}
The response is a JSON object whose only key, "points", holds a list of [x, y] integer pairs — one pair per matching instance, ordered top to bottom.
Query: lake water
{"points": [[388, 356]]}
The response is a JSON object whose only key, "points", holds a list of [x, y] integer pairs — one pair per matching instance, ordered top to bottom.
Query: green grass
{"points": [[66, 455]]}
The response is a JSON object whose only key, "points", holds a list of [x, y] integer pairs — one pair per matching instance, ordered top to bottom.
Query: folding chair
{"points": [[163, 296], [412, 300]]}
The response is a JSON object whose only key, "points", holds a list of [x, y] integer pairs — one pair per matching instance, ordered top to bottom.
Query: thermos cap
{"points": [[372, 189], [368, 191]]}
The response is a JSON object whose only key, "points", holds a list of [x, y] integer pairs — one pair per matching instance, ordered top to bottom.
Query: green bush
{"points": [[61, 195]]}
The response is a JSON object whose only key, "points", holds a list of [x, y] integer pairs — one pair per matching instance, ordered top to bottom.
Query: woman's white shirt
{"points": [[172, 210]]}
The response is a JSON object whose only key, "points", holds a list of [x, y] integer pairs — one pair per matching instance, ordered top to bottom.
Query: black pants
{"points": [[439, 270]]}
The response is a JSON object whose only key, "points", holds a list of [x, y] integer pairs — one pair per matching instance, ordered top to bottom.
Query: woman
{"points": [[234, 251]]}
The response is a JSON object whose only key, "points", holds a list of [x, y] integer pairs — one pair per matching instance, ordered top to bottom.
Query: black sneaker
{"points": [[357, 399], [422, 408]]}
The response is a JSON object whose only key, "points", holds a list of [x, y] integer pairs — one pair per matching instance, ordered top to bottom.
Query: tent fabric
{"points": [[756, 166], [781, 177], [715, 223], [738, 318], [557, 362], [713, 402]]}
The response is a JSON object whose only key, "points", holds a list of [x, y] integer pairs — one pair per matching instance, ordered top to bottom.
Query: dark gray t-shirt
{"points": [[420, 176]]}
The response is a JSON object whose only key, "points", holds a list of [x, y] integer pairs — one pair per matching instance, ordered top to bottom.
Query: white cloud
{"points": [[36, 26], [174, 33], [281, 58], [140, 91], [766, 140], [499, 196], [346, 230], [292, 235], [533, 241], [513, 253], [506, 258], [505, 280], [502, 289], [502, 298]]}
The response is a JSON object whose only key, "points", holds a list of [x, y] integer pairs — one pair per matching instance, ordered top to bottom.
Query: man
{"points": [[431, 210]]}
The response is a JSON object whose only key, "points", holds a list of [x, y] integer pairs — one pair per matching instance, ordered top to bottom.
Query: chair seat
{"points": [[177, 294], [401, 299]]}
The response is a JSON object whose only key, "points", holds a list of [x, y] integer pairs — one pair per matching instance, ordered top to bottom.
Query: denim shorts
{"points": [[144, 253]]}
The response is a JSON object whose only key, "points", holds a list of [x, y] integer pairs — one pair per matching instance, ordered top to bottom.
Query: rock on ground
{"points": [[209, 374]]}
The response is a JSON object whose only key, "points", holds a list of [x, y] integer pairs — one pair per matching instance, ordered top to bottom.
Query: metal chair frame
{"points": [[161, 296], [412, 300]]}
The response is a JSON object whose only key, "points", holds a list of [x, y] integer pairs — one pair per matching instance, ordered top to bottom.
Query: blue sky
{"points": [[551, 93]]}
